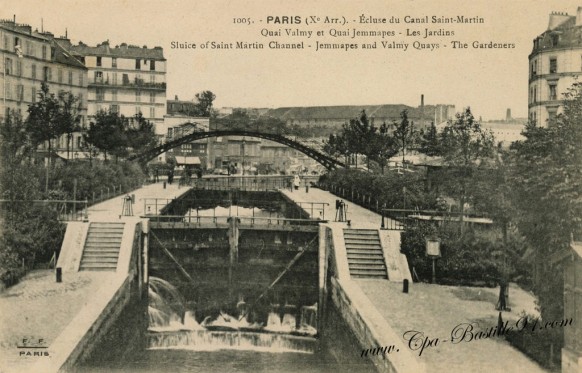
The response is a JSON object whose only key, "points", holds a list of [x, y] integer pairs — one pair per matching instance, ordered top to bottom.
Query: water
{"points": [[179, 360]]}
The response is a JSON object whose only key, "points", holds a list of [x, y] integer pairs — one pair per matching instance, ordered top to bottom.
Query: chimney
{"points": [[579, 16], [556, 19], [176, 98], [422, 100], [508, 115]]}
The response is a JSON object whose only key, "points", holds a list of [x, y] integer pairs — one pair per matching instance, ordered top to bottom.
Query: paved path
{"points": [[112, 208], [359, 217], [40, 308], [435, 310]]}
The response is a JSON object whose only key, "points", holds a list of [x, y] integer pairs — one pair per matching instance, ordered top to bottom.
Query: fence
{"points": [[67, 210]]}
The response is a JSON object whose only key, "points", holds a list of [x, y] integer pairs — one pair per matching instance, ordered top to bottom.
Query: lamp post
{"points": [[433, 250]]}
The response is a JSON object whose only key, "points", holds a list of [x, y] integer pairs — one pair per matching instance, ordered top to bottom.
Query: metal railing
{"points": [[67, 210], [224, 221]]}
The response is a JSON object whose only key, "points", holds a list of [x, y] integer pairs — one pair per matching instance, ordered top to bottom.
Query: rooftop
{"points": [[120, 51]]}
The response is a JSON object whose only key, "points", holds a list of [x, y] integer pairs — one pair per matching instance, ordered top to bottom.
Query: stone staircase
{"points": [[102, 245], [365, 255]]}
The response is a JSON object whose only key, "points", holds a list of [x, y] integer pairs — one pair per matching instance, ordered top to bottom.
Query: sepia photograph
{"points": [[291, 186]]}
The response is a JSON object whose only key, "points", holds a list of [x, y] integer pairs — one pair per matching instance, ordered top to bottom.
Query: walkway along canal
{"points": [[232, 280]]}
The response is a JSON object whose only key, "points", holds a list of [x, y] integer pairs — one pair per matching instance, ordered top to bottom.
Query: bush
{"points": [[387, 189]]}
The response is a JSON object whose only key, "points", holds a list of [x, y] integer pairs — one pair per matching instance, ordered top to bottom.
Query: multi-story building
{"points": [[30, 58], [554, 65], [126, 79]]}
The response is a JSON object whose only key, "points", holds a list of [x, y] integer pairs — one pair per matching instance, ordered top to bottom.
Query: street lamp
{"points": [[433, 250]]}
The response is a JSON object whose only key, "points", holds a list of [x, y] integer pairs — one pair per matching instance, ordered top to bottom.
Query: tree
{"points": [[205, 100], [68, 115], [44, 122], [108, 133], [141, 133], [404, 133], [429, 141], [385, 146], [465, 146], [17, 182], [548, 182]]}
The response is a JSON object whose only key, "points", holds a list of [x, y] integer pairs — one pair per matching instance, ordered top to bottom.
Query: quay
{"points": [[68, 319]]}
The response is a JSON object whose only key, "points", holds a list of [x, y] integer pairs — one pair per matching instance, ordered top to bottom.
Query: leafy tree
{"points": [[205, 101], [68, 115], [44, 122], [108, 133], [141, 133], [404, 133], [429, 141], [385, 146], [465, 146], [548, 182]]}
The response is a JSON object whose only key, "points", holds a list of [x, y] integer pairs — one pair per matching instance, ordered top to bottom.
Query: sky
{"points": [[487, 80]]}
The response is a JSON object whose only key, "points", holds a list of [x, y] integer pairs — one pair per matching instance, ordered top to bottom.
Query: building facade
{"points": [[30, 58], [554, 65], [126, 79]]}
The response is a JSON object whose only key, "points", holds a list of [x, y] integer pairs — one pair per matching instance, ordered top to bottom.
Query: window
{"points": [[555, 40], [16, 42], [6, 43], [53, 51], [44, 52], [98, 61], [114, 62], [137, 64], [153, 65], [553, 65], [8, 66], [18, 68], [33, 73], [60, 75], [46, 76], [98, 76], [70, 78], [114, 78], [152, 78], [81, 79], [8, 90], [20, 92], [33, 94], [553, 94], [100, 95], [114, 95], [535, 95], [137, 96], [152, 97], [80, 99], [114, 108], [137, 110], [152, 112], [186, 148]]}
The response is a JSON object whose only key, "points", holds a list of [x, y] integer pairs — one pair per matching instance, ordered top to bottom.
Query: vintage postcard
{"points": [[290, 186]]}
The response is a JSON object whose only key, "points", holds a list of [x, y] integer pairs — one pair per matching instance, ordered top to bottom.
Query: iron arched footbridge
{"points": [[327, 161]]}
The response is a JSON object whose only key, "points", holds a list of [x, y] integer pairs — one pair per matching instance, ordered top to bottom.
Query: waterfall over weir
{"points": [[171, 326]]}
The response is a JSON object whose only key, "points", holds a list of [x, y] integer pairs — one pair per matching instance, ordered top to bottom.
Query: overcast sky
{"points": [[490, 81]]}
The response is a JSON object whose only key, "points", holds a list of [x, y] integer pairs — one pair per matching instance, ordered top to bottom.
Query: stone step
{"points": [[371, 232], [103, 240], [363, 242], [102, 245], [356, 245], [362, 250], [100, 254], [98, 260], [373, 260], [99, 265], [367, 267], [103, 269], [375, 272], [377, 276]]}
